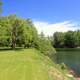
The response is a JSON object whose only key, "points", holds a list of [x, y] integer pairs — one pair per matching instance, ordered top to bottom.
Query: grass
{"points": [[27, 64], [22, 65]]}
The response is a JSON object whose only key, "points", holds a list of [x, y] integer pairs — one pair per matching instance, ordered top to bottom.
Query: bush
{"points": [[44, 45], [63, 66]]}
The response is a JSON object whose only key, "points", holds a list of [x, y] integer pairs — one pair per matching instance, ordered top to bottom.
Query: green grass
{"points": [[26, 64], [22, 65]]}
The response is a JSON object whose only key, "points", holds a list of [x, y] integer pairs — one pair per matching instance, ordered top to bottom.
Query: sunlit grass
{"points": [[28, 64], [22, 65]]}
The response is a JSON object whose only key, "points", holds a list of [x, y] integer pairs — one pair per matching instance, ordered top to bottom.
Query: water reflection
{"points": [[70, 58]]}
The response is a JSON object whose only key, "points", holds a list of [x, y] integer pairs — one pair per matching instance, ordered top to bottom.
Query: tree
{"points": [[14, 23], [4, 31], [17, 32], [14, 33], [30, 34], [77, 35], [58, 39], [70, 39], [43, 44]]}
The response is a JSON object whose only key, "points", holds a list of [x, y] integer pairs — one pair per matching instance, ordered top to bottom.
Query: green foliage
{"points": [[17, 32], [4, 34], [30, 35], [77, 38], [58, 39], [70, 39], [44, 45], [63, 66]]}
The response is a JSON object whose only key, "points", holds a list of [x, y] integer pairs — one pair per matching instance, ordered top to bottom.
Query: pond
{"points": [[71, 57]]}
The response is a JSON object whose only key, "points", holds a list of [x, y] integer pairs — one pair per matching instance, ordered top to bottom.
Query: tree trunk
{"points": [[14, 37]]}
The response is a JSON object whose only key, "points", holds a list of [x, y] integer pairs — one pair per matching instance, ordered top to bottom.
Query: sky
{"points": [[47, 15]]}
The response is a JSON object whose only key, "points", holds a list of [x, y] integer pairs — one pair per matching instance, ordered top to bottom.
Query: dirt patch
{"points": [[54, 73]]}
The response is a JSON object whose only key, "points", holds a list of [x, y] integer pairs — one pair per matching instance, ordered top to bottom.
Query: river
{"points": [[71, 57]]}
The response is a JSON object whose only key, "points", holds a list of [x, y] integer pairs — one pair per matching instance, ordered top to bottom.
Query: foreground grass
{"points": [[28, 64]]}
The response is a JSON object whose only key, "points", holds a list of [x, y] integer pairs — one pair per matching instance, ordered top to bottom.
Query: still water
{"points": [[70, 57]]}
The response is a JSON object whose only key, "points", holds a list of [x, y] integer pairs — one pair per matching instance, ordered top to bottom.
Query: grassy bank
{"points": [[29, 64]]}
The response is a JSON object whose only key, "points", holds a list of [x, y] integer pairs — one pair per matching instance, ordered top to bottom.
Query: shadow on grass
{"points": [[9, 48]]}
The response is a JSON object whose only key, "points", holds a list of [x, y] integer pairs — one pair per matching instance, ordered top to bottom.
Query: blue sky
{"points": [[44, 11]]}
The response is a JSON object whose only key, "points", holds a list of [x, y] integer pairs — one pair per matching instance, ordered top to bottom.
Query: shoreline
{"points": [[73, 73]]}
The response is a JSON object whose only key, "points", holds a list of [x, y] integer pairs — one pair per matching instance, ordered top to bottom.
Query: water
{"points": [[70, 57]]}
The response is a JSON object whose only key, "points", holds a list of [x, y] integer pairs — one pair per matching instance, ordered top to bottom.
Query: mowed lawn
{"points": [[25, 64]]}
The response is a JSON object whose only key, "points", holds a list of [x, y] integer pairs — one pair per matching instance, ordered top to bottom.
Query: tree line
{"points": [[18, 32], [69, 39]]}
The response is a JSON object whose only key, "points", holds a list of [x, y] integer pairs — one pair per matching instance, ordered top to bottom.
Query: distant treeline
{"points": [[69, 39]]}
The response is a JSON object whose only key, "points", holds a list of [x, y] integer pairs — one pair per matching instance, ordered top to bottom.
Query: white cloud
{"points": [[49, 29]]}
